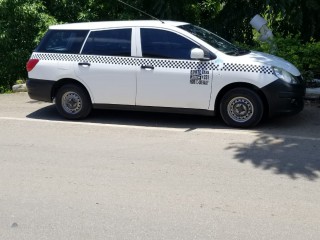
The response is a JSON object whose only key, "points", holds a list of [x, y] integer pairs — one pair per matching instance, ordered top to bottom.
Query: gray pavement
{"points": [[127, 175]]}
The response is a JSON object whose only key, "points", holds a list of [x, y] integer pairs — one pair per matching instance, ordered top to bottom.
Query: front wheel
{"points": [[73, 102], [241, 107]]}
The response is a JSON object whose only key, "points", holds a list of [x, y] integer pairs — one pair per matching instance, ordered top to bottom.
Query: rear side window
{"points": [[62, 41], [116, 42], [158, 43]]}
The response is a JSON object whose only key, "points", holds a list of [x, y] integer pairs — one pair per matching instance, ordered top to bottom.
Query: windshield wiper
{"points": [[238, 52]]}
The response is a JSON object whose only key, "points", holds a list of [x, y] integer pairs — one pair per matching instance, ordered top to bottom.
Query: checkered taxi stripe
{"points": [[157, 63], [233, 67]]}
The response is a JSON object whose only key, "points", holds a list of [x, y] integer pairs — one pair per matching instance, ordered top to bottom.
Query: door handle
{"points": [[84, 64], [147, 67]]}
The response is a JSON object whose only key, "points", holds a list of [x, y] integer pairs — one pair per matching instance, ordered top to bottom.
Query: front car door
{"points": [[167, 76]]}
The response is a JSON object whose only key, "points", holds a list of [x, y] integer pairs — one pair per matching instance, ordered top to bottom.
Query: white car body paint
{"points": [[156, 82]]}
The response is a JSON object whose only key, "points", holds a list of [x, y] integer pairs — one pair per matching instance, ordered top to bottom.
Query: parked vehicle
{"points": [[159, 66]]}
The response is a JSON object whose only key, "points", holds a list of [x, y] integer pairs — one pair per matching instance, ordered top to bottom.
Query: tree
{"points": [[297, 17], [22, 24]]}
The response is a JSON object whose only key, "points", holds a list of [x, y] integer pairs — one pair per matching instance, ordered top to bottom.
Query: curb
{"points": [[19, 88], [312, 94]]}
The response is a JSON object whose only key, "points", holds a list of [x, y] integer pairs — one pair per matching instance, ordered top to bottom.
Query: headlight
{"points": [[285, 76]]}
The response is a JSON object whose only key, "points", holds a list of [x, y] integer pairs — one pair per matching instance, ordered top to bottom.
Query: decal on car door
{"points": [[199, 76]]}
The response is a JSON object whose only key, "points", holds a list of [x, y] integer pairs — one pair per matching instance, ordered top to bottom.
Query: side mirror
{"points": [[197, 54]]}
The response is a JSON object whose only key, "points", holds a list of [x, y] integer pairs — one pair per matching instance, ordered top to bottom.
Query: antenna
{"points": [[147, 14]]}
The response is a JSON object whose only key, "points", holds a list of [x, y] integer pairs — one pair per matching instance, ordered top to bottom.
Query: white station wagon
{"points": [[159, 66]]}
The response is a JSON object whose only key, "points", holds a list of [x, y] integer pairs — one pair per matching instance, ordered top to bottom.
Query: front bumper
{"points": [[40, 90], [284, 98]]}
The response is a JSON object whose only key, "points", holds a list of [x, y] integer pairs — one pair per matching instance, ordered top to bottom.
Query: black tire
{"points": [[73, 102], [241, 108]]}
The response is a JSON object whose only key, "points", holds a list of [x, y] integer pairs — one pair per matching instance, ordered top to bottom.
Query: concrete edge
{"points": [[19, 88]]}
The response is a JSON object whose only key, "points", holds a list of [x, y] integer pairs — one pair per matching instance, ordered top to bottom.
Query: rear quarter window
{"points": [[62, 41]]}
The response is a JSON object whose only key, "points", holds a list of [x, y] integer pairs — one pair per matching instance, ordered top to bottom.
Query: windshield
{"points": [[214, 40]]}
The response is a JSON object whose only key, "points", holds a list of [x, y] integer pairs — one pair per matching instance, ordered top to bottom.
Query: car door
{"points": [[106, 67], [167, 76]]}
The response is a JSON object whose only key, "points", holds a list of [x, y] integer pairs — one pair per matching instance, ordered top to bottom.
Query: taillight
{"points": [[31, 64]]}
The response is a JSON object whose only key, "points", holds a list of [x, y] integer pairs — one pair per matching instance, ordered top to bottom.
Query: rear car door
{"points": [[106, 67], [167, 76]]}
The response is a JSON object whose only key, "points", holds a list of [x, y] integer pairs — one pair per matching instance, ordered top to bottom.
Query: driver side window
{"points": [[158, 43]]}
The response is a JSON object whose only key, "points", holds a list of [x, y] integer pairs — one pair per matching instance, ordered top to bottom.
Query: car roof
{"points": [[112, 24]]}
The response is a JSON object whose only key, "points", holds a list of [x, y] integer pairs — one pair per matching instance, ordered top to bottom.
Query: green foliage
{"points": [[298, 17], [23, 23], [289, 48], [311, 57], [20, 81], [5, 90]]}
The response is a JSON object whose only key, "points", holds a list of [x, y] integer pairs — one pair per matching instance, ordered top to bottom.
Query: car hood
{"points": [[271, 60]]}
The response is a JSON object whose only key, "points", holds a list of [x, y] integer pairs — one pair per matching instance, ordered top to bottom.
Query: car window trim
{"points": [[109, 29], [178, 33], [45, 39]]}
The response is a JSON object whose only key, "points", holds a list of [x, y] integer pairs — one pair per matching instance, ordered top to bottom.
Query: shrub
{"points": [[22, 24]]}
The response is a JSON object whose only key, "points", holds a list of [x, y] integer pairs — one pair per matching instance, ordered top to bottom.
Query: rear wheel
{"points": [[73, 102], [241, 107]]}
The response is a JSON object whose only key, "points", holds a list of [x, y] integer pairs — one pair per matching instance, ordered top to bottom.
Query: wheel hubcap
{"points": [[71, 102], [240, 109]]}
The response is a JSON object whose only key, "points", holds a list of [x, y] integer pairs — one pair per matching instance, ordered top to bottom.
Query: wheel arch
{"points": [[65, 81], [231, 86]]}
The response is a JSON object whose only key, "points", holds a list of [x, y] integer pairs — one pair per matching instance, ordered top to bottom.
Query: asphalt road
{"points": [[126, 175]]}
